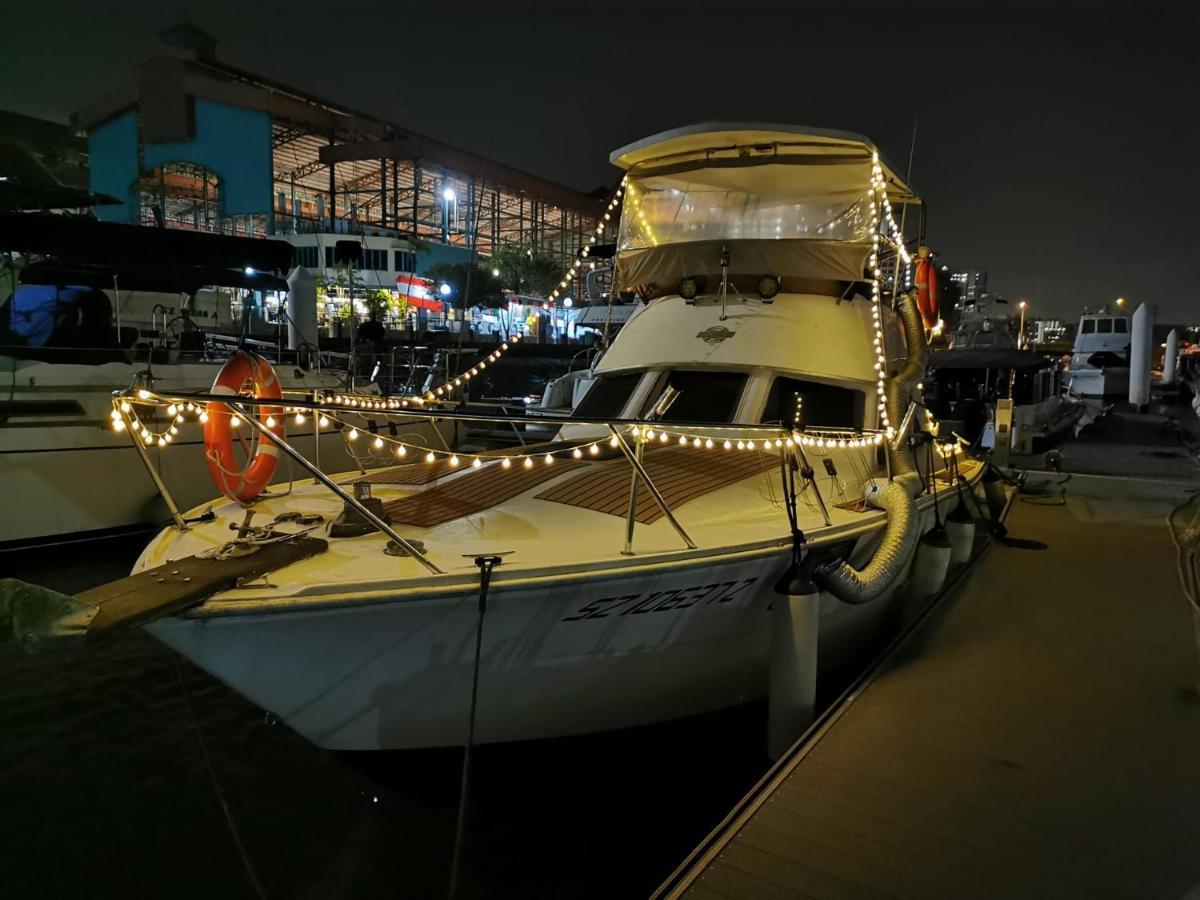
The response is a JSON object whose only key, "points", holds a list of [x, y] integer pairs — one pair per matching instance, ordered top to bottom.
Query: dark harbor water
{"points": [[106, 790]]}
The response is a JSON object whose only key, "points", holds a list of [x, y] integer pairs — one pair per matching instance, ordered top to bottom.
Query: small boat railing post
{"points": [[316, 420], [809, 475], [158, 482], [336, 488], [654, 492], [631, 516]]}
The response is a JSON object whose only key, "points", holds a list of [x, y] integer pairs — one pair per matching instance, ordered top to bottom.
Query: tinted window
{"points": [[1089, 326], [1105, 326], [1120, 326], [607, 396], [703, 396], [795, 402]]}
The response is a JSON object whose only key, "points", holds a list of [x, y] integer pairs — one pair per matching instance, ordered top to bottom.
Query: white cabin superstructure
{"points": [[1100, 356], [764, 372]]}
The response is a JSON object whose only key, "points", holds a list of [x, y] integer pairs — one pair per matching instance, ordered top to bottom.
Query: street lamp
{"points": [[450, 222], [444, 289], [1120, 302], [1021, 328]]}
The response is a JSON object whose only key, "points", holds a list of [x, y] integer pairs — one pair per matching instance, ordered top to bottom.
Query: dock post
{"points": [[1140, 345], [1170, 356], [792, 704]]}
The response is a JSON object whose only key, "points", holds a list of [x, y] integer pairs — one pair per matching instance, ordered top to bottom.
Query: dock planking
{"points": [[1037, 736]]}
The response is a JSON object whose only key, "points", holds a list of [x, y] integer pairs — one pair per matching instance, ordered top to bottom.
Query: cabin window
{"points": [[307, 257], [329, 257], [405, 261], [1089, 326], [1104, 326], [1120, 326], [607, 396], [704, 396], [795, 402]]}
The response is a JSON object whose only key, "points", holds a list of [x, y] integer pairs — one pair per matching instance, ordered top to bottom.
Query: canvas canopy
{"points": [[787, 201]]}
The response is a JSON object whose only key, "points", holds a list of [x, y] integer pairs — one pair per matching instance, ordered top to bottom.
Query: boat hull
{"points": [[1091, 382], [65, 472], [593, 655]]}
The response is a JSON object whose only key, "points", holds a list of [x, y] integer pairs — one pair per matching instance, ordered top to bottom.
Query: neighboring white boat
{"points": [[66, 345], [1100, 357], [962, 385], [640, 549]]}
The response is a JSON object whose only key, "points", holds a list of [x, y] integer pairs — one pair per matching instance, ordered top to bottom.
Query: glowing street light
{"points": [[448, 194], [495, 273], [444, 289], [1120, 302], [1021, 328]]}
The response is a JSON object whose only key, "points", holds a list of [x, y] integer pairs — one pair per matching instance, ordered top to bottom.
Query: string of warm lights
{"points": [[877, 179], [877, 185], [635, 207], [572, 272], [458, 380], [124, 415], [386, 446]]}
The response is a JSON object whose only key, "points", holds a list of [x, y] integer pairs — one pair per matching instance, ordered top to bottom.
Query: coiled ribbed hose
{"points": [[899, 388], [903, 527], [900, 536]]}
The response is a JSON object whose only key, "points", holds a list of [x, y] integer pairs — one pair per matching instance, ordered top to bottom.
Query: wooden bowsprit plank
{"points": [[39, 615]]}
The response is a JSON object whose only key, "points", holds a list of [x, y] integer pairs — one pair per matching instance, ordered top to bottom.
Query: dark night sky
{"points": [[1055, 148]]}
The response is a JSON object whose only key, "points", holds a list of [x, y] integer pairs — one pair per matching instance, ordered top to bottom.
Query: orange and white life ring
{"points": [[926, 280], [241, 371]]}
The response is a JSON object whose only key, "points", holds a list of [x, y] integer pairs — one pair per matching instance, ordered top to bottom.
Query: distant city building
{"points": [[976, 290], [1049, 330]]}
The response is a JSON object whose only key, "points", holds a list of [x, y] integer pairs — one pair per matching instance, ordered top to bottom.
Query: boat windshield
{"points": [[772, 202], [608, 395], [704, 396], [796, 402]]}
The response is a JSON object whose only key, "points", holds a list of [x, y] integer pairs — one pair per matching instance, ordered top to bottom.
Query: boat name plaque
{"points": [[662, 601]]}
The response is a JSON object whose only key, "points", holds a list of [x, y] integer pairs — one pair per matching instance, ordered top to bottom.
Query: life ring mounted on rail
{"points": [[926, 280], [243, 483]]}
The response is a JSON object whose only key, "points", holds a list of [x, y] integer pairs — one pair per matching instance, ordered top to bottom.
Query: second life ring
{"points": [[926, 282], [241, 370]]}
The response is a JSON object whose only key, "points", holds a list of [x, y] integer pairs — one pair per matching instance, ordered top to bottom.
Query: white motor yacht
{"points": [[1100, 357], [771, 368]]}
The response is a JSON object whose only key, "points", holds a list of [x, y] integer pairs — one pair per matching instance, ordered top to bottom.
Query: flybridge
{"points": [[755, 201]]}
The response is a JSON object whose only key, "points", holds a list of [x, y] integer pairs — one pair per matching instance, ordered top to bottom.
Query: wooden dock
{"points": [[1036, 735]]}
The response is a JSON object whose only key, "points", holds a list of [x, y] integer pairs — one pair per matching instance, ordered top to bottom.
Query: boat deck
{"points": [[472, 512], [1037, 735]]}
